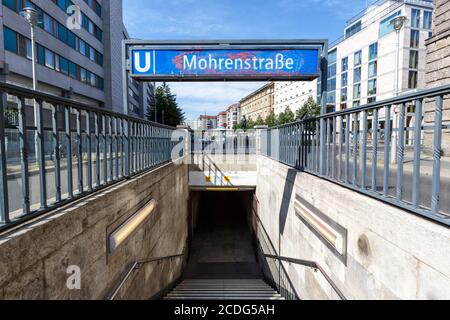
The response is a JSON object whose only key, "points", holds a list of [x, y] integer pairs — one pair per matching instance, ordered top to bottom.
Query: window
{"points": [[12, 4], [415, 18], [427, 20], [48, 23], [386, 26], [355, 28], [62, 32], [10, 39], [71, 39], [414, 42], [82, 47], [29, 50], [373, 51], [41, 54], [332, 57], [358, 58], [49, 59], [414, 59], [345, 64], [64, 65], [373, 66], [57, 68], [72, 70], [332, 70], [357, 75], [344, 79], [93, 80], [412, 80], [331, 86], [372, 87], [357, 91], [343, 94], [371, 100], [356, 103], [343, 106]]}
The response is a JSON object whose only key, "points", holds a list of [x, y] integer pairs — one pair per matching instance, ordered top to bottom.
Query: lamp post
{"points": [[32, 17], [397, 23]]}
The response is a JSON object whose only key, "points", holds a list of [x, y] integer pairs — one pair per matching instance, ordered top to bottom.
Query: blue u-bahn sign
{"points": [[218, 63]]}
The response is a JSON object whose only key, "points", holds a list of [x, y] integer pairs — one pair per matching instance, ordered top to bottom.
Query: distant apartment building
{"points": [[83, 64], [362, 65], [293, 95], [259, 103], [233, 115], [222, 120], [207, 122]]}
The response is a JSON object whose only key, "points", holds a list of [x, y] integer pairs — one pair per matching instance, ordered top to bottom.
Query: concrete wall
{"points": [[391, 253], [34, 258]]}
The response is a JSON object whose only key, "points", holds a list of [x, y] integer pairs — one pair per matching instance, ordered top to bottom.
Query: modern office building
{"points": [[81, 60], [362, 64], [293, 94], [258, 104], [233, 115]]}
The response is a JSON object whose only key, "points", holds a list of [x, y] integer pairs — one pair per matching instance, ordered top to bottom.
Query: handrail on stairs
{"points": [[313, 265], [136, 266]]}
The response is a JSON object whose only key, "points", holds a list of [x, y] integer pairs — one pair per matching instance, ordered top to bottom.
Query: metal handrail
{"points": [[325, 146], [310, 264], [136, 266]]}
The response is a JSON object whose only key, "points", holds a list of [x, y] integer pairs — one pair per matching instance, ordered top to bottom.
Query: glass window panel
{"points": [[415, 18], [427, 20], [48, 23], [386, 26], [10, 39], [414, 43], [29, 50], [373, 51], [41, 54], [358, 58], [49, 59], [414, 59], [344, 64], [64, 65], [373, 66], [57, 68], [72, 70], [357, 75], [344, 79], [412, 80], [372, 87], [357, 91], [343, 94]]}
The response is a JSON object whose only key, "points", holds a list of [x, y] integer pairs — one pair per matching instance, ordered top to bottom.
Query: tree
{"points": [[309, 109], [168, 111], [286, 117], [271, 119], [259, 121]]}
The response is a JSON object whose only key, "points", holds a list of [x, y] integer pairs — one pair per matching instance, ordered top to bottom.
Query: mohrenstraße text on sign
{"points": [[223, 64]]}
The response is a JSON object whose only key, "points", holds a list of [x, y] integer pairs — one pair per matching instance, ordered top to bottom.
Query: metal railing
{"points": [[221, 142], [61, 150], [397, 161], [136, 266]]}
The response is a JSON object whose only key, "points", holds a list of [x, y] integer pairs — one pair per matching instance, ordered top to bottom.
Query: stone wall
{"points": [[438, 68], [391, 253], [35, 257]]}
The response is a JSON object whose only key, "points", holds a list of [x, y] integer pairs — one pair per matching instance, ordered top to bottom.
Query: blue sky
{"points": [[233, 19]]}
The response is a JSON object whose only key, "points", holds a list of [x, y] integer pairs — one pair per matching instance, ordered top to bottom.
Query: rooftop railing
{"points": [[55, 150], [400, 161]]}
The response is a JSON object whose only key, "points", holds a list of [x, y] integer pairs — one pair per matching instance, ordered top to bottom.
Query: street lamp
{"points": [[32, 17], [397, 23]]}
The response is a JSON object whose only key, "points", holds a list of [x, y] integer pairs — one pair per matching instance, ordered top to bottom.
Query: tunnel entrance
{"points": [[221, 243]]}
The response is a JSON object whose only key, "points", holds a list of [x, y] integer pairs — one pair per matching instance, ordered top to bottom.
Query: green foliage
{"points": [[167, 107], [309, 109], [286, 117], [271, 119]]}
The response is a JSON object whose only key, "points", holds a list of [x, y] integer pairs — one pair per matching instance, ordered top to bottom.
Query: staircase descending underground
{"points": [[223, 289]]}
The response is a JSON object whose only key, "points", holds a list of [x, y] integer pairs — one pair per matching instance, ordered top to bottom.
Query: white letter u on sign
{"points": [[138, 64]]}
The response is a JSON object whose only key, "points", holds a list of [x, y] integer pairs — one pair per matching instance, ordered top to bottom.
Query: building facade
{"points": [[81, 61], [362, 65], [438, 70], [293, 95], [258, 104], [233, 115], [222, 120], [207, 122]]}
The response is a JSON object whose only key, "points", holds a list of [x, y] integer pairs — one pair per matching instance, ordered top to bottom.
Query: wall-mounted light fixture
{"points": [[118, 236]]}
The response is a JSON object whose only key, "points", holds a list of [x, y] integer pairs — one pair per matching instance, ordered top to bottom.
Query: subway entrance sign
{"points": [[224, 60]]}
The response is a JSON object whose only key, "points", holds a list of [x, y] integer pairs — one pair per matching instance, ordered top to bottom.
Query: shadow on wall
{"points": [[285, 201]]}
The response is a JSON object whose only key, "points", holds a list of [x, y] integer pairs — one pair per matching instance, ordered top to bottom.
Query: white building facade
{"points": [[362, 65], [293, 94]]}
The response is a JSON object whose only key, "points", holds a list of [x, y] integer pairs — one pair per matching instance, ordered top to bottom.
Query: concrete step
{"points": [[224, 289]]}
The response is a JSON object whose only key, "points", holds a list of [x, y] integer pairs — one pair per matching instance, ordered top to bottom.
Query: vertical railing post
{"points": [[323, 109], [68, 130], [387, 136], [341, 142], [127, 147], [355, 147], [347, 149], [374, 149], [97, 150], [105, 150], [364, 150], [417, 150], [89, 151], [400, 151], [79, 152], [40, 153], [57, 153], [437, 154], [24, 157], [111, 158], [4, 201]]}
